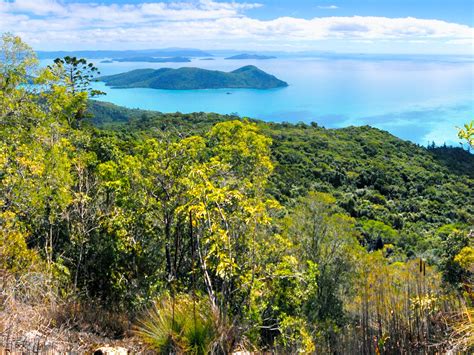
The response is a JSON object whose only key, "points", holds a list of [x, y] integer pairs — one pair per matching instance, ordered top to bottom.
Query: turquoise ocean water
{"points": [[421, 100]]}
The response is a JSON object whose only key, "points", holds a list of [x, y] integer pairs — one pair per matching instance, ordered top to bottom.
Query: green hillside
{"points": [[373, 174]]}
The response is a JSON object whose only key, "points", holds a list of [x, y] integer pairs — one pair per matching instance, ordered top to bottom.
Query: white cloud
{"points": [[36, 7], [328, 7], [127, 13], [56, 24], [464, 41]]}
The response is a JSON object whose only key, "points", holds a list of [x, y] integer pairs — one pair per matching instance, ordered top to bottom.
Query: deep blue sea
{"points": [[421, 100]]}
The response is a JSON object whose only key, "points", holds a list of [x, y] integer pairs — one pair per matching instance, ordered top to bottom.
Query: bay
{"points": [[421, 99]]}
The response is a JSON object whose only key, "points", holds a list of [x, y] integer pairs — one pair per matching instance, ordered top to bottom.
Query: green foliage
{"points": [[17, 63], [76, 74], [467, 133], [35, 148], [373, 175], [377, 234], [327, 239], [453, 240], [14, 253], [465, 259], [394, 300]]}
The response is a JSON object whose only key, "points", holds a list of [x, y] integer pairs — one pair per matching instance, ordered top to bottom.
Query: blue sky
{"points": [[460, 11], [369, 26]]}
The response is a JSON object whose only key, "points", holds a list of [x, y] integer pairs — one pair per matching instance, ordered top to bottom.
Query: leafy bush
{"points": [[14, 253]]}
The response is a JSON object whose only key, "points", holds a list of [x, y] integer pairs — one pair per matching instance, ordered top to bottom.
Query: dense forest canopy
{"points": [[374, 176], [207, 233]]}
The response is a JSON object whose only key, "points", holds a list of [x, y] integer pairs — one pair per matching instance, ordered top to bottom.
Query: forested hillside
{"points": [[410, 190], [204, 233]]}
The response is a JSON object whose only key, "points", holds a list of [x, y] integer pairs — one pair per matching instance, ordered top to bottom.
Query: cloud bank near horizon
{"points": [[54, 24]]}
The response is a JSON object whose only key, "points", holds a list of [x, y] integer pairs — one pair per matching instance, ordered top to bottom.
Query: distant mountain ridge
{"points": [[113, 54], [250, 56], [147, 59], [194, 78]]}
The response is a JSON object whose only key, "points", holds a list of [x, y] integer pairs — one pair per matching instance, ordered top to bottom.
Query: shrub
{"points": [[14, 253], [179, 325]]}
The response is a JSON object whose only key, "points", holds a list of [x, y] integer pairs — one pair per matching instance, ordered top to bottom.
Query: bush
{"points": [[14, 253]]}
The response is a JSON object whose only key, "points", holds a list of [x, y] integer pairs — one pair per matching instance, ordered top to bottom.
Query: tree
{"points": [[17, 62], [77, 75], [35, 140], [21, 156], [194, 201], [377, 234], [325, 247]]}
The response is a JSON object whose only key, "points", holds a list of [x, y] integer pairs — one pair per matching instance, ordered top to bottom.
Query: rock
{"points": [[109, 350]]}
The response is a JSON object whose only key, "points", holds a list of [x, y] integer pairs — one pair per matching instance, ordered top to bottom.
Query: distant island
{"points": [[112, 54], [250, 56], [154, 59], [207, 59], [108, 61], [194, 78]]}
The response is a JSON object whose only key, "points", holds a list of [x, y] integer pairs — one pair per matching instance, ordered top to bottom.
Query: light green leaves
{"points": [[467, 133]]}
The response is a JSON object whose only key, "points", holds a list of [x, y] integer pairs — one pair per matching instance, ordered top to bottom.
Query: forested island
{"points": [[250, 56], [194, 78], [205, 233]]}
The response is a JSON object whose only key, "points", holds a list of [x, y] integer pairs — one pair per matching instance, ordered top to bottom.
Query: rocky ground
{"points": [[33, 320]]}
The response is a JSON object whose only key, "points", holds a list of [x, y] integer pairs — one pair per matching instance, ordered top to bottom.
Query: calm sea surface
{"points": [[420, 100]]}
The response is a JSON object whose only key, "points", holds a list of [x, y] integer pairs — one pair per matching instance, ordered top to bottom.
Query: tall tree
{"points": [[77, 76]]}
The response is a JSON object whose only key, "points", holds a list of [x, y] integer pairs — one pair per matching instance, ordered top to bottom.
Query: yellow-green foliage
{"points": [[468, 133], [35, 146], [14, 253], [465, 258], [295, 335]]}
